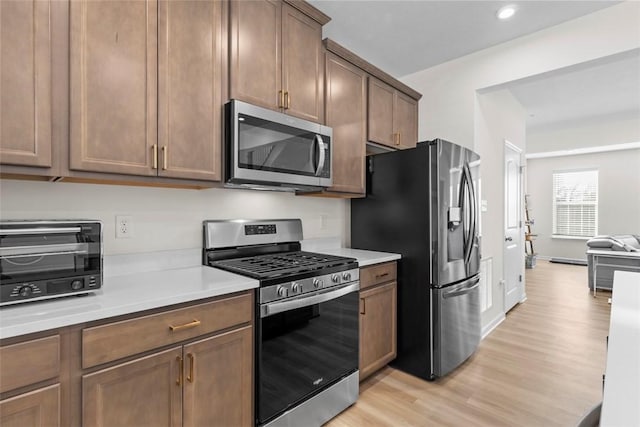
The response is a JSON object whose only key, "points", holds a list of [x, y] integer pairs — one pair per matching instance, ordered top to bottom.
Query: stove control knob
{"points": [[346, 276], [335, 278], [318, 283], [295, 288], [25, 291], [282, 291]]}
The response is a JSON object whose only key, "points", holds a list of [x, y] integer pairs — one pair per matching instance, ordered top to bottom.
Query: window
{"points": [[575, 203]]}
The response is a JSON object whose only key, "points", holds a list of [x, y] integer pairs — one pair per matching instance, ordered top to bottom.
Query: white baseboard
{"points": [[487, 329]]}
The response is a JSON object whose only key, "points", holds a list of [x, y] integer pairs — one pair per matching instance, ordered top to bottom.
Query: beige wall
{"points": [[499, 117], [618, 198], [166, 218]]}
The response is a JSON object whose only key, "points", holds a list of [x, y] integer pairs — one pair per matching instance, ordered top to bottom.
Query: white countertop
{"points": [[364, 257], [138, 282], [121, 295], [622, 382]]}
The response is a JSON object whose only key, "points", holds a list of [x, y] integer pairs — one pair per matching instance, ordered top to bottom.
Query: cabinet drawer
{"points": [[376, 274], [110, 342], [29, 362]]}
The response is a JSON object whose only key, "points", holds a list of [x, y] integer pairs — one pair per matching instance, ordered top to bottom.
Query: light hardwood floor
{"points": [[542, 366]]}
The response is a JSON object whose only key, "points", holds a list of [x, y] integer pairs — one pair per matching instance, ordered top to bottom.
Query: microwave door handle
{"points": [[318, 140]]}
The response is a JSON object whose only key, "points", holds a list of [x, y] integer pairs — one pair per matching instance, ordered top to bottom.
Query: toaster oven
{"points": [[49, 259]]}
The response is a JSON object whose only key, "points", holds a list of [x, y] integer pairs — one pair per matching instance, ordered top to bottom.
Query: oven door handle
{"points": [[304, 301]]}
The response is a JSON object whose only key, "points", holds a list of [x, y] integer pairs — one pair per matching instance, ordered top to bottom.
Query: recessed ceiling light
{"points": [[506, 12]]}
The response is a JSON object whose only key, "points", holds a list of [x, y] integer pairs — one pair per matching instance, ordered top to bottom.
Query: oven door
{"points": [[31, 253], [303, 346]]}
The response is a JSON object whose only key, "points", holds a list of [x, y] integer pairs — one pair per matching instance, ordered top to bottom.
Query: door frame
{"points": [[517, 150]]}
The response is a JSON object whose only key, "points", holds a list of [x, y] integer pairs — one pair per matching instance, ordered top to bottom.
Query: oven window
{"points": [[268, 146], [30, 257], [302, 351]]}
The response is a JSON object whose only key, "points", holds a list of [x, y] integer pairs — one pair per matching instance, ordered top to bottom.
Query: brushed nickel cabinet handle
{"points": [[280, 99], [287, 100], [399, 137], [154, 156], [165, 156], [380, 276], [363, 303], [185, 326], [191, 364], [181, 368]]}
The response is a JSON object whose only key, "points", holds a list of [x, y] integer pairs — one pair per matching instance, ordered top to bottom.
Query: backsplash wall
{"points": [[163, 218]]}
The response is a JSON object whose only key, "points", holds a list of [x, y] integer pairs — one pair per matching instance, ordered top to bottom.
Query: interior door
{"points": [[513, 238]]}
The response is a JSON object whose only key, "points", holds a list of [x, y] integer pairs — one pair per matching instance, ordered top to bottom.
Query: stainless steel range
{"points": [[306, 337]]}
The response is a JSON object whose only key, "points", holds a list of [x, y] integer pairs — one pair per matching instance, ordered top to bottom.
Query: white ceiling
{"points": [[402, 37], [599, 90]]}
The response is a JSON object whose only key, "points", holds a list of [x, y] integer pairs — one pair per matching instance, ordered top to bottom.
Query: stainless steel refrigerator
{"points": [[423, 204]]}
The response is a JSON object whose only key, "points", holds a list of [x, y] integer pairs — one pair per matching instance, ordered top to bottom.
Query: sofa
{"points": [[606, 254]]}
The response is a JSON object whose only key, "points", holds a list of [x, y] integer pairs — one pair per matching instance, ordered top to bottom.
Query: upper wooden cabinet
{"points": [[276, 56], [146, 81], [190, 81], [25, 83], [346, 113], [393, 116]]}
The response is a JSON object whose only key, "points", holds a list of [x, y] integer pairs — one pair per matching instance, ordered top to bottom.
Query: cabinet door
{"points": [[255, 58], [302, 65], [25, 83], [190, 83], [346, 113], [406, 120], [113, 121], [380, 122], [377, 328], [218, 386], [143, 392], [38, 408]]}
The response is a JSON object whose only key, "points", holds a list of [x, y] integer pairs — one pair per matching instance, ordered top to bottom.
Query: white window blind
{"points": [[575, 203]]}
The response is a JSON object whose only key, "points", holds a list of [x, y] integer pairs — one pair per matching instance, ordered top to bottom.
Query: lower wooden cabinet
{"points": [[378, 314], [220, 366], [204, 383], [144, 392], [38, 408]]}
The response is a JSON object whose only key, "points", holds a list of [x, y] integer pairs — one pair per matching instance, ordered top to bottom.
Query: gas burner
{"points": [[281, 264]]}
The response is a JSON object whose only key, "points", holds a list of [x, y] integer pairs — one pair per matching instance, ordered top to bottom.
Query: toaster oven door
{"points": [[31, 253]]}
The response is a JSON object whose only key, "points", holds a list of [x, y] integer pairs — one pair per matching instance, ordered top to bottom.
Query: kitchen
{"points": [[161, 222]]}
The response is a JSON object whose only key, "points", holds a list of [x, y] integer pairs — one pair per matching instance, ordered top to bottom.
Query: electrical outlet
{"points": [[324, 219], [124, 226]]}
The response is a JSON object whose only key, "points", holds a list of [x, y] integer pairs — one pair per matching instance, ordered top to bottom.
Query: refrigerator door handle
{"points": [[468, 182], [458, 291]]}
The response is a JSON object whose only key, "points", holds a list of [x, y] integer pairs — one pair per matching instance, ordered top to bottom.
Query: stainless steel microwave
{"points": [[271, 150]]}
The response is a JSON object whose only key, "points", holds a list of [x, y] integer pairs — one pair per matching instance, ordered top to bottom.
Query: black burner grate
{"points": [[275, 265]]}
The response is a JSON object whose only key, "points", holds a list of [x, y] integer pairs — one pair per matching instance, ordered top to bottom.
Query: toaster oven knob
{"points": [[346, 276], [335, 278], [76, 284], [295, 288], [282, 291]]}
